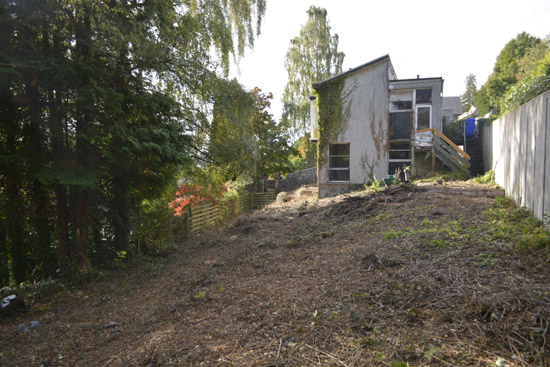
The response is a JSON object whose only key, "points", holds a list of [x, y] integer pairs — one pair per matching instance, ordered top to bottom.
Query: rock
{"points": [[110, 324], [23, 328]]}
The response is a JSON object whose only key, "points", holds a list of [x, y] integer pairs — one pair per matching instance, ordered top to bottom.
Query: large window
{"points": [[338, 166]]}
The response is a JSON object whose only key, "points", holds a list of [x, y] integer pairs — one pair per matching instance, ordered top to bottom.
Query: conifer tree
{"points": [[96, 102]]}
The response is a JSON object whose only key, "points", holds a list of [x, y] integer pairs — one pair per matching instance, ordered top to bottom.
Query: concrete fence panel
{"points": [[516, 147]]}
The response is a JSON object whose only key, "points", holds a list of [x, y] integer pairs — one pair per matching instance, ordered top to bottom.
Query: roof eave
{"points": [[352, 71]]}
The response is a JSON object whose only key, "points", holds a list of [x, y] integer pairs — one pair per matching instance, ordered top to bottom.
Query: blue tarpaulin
{"points": [[470, 127]]}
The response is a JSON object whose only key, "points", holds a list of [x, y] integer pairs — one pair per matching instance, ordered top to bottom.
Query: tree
{"points": [[313, 56], [507, 67], [521, 72], [468, 98], [482, 102], [97, 104], [231, 142], [272, 144]]}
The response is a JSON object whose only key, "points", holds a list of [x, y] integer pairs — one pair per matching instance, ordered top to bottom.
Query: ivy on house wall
{"points": [[333, 116]]}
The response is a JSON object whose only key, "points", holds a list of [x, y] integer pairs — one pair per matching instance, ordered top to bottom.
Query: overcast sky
{"points": [[430, 38]]}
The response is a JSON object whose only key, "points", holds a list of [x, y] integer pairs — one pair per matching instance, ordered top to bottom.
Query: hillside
{"points": [[366, 279]]}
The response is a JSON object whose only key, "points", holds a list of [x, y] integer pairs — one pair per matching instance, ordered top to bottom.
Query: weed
{"points": [[488, 177], [504, 202], [379, 218], [427, 223], [513, 225], [392, 234], [442, 244], [485, 259], [200, 295]]}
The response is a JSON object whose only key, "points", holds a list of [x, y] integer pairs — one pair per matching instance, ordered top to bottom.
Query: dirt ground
{"points": [[402, 278]]}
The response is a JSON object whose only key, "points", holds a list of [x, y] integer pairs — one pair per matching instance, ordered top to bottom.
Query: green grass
{"points": [[508, 224]]}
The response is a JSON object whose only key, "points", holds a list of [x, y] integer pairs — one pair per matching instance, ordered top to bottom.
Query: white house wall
{"points": [[366, 99]]}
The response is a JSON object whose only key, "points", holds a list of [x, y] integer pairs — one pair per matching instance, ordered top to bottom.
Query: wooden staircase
{"points": [[445, 150]]}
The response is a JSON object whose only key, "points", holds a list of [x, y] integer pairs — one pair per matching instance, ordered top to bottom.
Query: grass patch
{"points": [[487, 178], [509, 224], [391, 234], [441, 244]]}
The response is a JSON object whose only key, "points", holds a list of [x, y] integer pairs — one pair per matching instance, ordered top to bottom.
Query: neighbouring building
{"points": [[451, 109], [370, 123]]}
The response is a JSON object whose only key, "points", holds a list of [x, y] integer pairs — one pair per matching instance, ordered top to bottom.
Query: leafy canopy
{"points": [[312, 57]]}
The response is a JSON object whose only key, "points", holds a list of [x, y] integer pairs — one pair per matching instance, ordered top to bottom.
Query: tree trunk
{"points": [[83, 149], [59, 156], [39, 194], [15, 223]]}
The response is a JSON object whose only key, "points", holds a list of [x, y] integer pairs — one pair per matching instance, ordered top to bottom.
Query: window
{"points": [[424, 96], [401, 100], [401, 105], [423, 117], [338, 166]]}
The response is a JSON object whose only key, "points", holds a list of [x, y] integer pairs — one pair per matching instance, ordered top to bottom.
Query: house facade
{"points": [[452, 109], [370, 123]]}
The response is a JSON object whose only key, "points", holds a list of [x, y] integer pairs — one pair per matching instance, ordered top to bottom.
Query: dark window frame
{"points": [[339, 169]]}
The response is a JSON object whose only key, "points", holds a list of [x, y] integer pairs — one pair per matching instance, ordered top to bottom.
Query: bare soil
{"points": [[363, 279]]}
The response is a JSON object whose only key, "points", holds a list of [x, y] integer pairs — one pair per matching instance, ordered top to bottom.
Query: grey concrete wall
{"points": [[365, 97], [517, 148], [294, 180]]}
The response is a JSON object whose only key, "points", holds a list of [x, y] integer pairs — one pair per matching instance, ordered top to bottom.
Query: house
{"points": [[451, 109], [368, 123]]}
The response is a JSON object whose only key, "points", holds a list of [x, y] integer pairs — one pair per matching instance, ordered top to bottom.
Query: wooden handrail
{"points": [[449, 141]]}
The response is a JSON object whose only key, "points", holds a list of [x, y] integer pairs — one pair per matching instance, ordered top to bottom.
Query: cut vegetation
{"points": [[395, 278]]}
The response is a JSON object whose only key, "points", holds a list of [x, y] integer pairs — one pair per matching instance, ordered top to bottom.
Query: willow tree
{"points": [[313, 56]]}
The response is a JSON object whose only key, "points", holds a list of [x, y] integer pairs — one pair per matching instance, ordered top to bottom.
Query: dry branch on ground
{"points": [[363, 279]]}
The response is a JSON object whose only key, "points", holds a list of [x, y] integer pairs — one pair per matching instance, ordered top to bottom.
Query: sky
{"points": [[430, 38]]}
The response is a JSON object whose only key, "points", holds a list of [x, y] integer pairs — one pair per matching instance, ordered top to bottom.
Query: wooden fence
{"points": [[208, 214]]}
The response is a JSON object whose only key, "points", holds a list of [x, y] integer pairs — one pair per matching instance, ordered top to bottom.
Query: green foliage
{"points": [[312, 57], [520, 73], [524, 91], [468, 98], [482, 101], [101, 105], [333, 117], [243, 139], [461, 175], [487, 178], [427, 223], [157, 225], [512, 225], [391, 234], [441, 244], [484, 259]]}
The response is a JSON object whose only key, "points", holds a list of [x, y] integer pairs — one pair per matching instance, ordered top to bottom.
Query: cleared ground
{"points": [[385, 279]]}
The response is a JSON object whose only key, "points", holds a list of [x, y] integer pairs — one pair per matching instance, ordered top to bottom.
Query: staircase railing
{"points": [[447, 151]]}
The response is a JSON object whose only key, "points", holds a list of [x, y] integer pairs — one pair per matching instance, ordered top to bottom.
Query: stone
{"points": [[34, 324], [23, 328]]}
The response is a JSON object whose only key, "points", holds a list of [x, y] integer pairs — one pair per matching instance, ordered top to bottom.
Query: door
{"points": [[423, 117]]}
